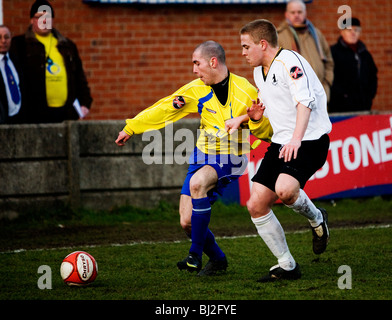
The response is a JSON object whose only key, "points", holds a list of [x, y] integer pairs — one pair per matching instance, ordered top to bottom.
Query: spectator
{"points": [[299, 34], [53, 71], [355, 83], [10, 90]]}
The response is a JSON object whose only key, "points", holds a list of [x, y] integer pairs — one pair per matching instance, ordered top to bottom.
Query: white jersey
{"points": [[291, 80]]}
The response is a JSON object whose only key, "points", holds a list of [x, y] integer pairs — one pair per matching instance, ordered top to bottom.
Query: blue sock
{"points": [[201, 215], [202, 237], [211, 248]]}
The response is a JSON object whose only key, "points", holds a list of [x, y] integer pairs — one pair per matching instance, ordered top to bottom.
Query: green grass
{"points": [[65, 228], [147, 271]]}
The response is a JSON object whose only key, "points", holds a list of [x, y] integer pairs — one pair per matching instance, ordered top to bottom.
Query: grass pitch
{"points": [[137, 251]]}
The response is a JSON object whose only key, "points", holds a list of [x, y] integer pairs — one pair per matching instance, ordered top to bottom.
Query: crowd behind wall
{"points": [[135, 54]]}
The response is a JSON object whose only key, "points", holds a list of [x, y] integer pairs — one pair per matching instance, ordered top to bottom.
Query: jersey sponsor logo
{"points": [[296, 72], [178, 102], [210, 110]]}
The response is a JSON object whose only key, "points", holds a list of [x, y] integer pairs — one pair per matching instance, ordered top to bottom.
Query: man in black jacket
{"points": [[53, 72], [355, 81], [10, 82]]}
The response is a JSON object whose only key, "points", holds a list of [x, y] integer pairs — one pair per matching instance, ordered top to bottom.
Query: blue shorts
{"points": [[228, 167]]}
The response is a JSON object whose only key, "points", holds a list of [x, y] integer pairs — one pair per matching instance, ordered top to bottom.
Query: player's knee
{"points": [[197, 187], [285, 194], [257, 207], [253, 208]]}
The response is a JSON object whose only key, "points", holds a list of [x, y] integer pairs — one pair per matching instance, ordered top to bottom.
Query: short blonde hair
{"points": [[261, 29]]}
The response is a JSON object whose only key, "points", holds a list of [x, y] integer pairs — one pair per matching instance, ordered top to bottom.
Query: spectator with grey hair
{"points": [[298, 33]]}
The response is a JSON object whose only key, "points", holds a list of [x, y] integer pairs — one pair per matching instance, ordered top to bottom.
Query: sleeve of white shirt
{"points": [[301, 80]]}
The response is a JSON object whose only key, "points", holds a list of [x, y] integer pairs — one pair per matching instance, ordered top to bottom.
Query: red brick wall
{"points": [[134, 55]]}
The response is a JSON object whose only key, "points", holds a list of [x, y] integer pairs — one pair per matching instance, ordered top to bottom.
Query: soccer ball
{"points": [[79, 268]]}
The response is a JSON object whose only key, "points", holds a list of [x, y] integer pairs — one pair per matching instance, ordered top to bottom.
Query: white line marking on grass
{"points": [[134, 243]]}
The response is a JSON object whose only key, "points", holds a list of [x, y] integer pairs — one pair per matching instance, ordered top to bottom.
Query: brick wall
{"points": [[135, 54]]}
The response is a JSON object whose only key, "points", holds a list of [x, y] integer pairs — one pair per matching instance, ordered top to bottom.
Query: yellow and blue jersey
{"points": [[196, 97]]}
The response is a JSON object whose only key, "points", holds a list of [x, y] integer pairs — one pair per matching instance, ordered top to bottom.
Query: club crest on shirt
{"points": [[296, 72], [274, 81], [178, 102]]}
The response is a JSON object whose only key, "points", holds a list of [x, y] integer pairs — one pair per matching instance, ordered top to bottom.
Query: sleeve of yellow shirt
{"points": [[164, 111], [261, 129]]}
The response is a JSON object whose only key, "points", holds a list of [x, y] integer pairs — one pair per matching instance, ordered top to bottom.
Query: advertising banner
{"points": [[359, 161]]}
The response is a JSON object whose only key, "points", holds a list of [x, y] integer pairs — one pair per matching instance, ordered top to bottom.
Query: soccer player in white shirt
{"points": [[296, 106]]}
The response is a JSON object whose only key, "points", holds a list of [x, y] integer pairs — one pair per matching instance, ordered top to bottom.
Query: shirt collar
{"points": [[2, 56]]}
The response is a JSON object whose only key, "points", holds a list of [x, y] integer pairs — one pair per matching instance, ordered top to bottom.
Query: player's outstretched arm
{"points": [[122, 138]]}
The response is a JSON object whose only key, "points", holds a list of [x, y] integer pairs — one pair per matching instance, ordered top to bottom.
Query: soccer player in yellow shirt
{"points": [[221, 98]]}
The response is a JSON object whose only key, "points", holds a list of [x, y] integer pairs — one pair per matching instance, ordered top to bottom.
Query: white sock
{"points": [[304, 206], [272, 233]]}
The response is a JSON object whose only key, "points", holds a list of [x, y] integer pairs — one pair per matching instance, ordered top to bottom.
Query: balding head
{"points": [[295, 12], [210, 49]]}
